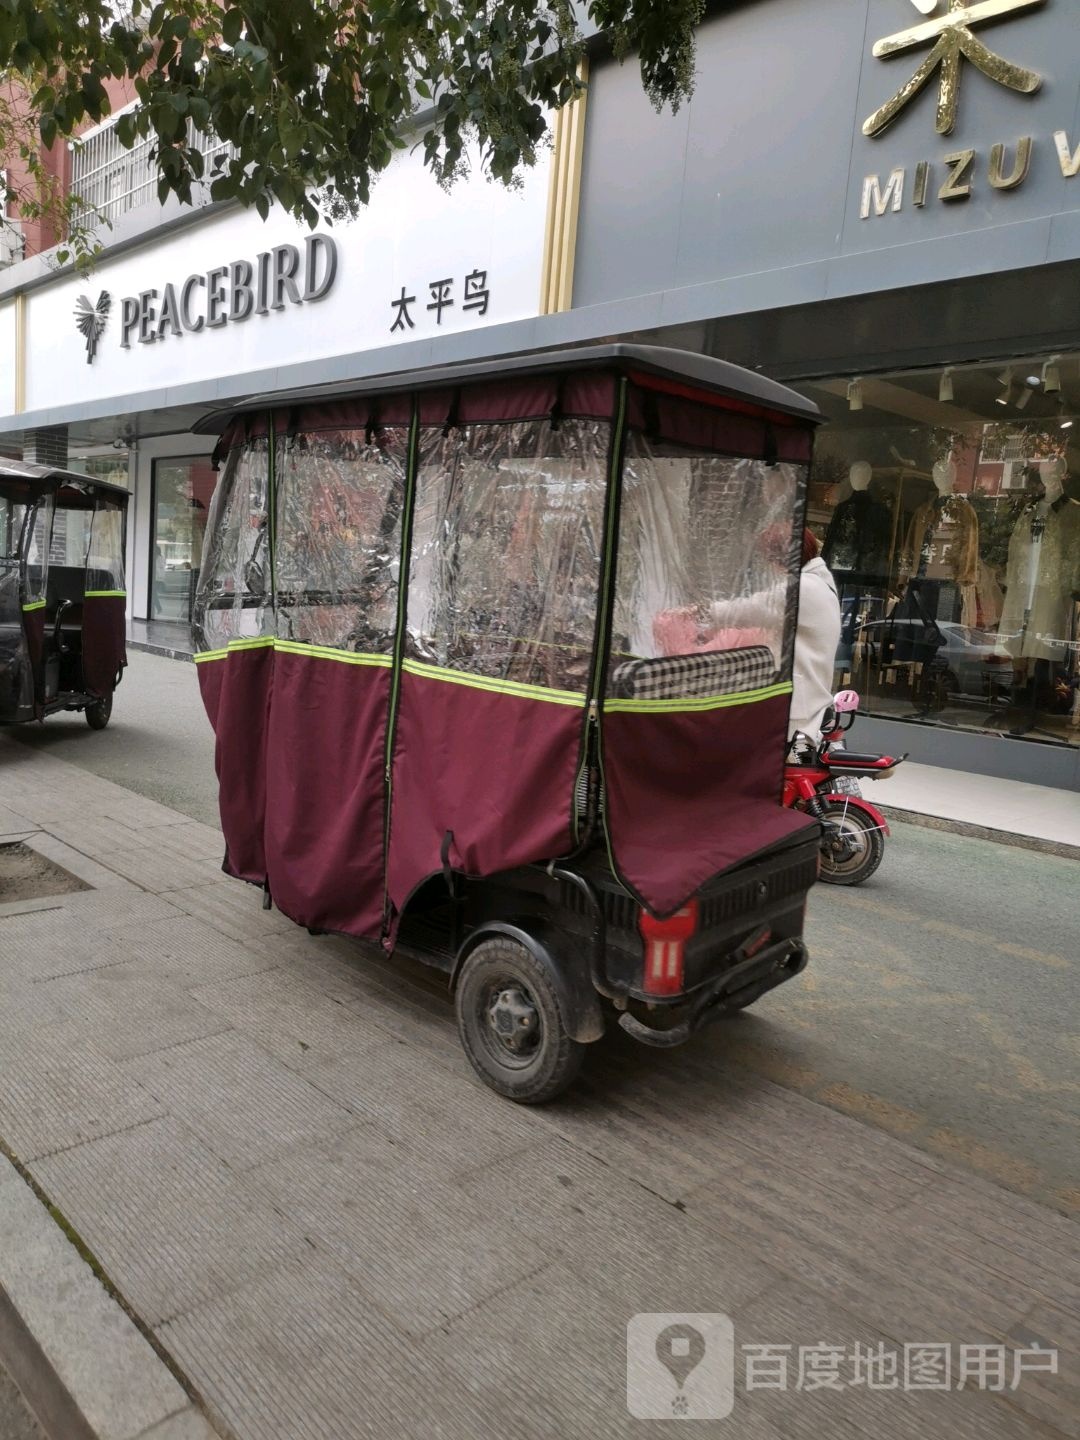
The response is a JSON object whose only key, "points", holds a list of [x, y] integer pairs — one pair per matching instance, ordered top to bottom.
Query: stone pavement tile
{"points": [[14, 826], [93, 833], [188, 838], [81, 863], [160, 871], [232, 907], [112, 910], [45, 944], [189, 952], [25, 1009], [123, 1011], [288, 1013], [56, 1092], [245, 1105], [442, 1115], [734, 1118], [1003, 1216], [171, 1225], [418, 1247], [640, 1251], [1031, 1256], [897, 1277], [554, 1347], [304, 1355], [110, 1370], [821, 1388], [1052, 1397], [188, 1425]]}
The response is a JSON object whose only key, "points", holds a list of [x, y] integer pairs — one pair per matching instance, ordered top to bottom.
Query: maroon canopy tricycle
{"points": [[62, 599], [498, 658]]}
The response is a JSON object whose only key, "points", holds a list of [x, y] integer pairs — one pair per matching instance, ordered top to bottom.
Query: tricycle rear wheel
{"points": [[97, 714], [511, 1023]]}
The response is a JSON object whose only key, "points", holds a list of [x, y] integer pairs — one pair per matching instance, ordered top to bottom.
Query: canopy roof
{"points": [[679, 367]]}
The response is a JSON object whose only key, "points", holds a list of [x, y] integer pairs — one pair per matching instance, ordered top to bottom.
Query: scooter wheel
{"points": [[852, 846], [511, 1023]]}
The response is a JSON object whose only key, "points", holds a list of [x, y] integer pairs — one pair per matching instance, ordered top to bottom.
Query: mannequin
{"points": [[858, 534], [856, 550], [942, 550], [1044, 582]]}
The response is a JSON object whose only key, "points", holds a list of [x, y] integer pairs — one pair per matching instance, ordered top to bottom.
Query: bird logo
{"points": [[90, 321]]}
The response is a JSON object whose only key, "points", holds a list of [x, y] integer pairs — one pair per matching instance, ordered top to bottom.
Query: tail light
{"points": [[665, 948]]}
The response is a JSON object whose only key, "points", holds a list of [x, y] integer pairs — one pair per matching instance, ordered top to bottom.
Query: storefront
{"points": [[875, 201]]}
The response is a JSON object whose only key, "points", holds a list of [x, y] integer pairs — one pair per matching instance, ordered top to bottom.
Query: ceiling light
{"points": [[1051, 377], [945, 386], [854, 395], [1025, 395], [1067, 424]]}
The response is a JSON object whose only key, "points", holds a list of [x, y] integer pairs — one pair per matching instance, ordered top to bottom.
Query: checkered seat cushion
{"points": [[681, 677]]}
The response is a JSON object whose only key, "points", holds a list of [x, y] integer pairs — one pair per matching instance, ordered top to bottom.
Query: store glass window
{"points": [[183, 489], [948, 504]]}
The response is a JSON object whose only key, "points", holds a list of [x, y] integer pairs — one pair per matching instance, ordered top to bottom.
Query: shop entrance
{"points": [[182, 488]]}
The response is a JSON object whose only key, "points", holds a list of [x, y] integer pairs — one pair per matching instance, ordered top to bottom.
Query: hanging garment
{"points": [[858, 536], [943, 544]]}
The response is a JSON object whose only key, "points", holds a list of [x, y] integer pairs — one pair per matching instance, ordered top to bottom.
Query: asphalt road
{"points": [[941, 1002]]}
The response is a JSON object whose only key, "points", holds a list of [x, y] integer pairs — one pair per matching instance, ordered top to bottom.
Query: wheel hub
{"points": [[514, 1019]]}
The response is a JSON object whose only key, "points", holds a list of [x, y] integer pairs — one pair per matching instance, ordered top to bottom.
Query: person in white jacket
{"points": [[816, 641]]}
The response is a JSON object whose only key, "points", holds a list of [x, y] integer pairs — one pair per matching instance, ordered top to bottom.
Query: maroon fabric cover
{"points": [[727, 432], [34, 630], [104, 648], [236, 693], [498, 770], [691, 793], [325, 812]]}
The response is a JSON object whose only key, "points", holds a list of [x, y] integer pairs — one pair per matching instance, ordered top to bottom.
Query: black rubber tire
{"points": [[97, 714], [871, 846], [539, 1074]]}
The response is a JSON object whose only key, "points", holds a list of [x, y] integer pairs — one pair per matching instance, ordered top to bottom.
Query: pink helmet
{"points": [[845, 700]]}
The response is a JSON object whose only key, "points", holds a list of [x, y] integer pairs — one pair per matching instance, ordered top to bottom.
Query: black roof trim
{"points": [[681, 366], [24, 470]]}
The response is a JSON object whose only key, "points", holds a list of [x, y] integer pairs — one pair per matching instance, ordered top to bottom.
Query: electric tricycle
{"points": [[62, 598], [498, 660]]}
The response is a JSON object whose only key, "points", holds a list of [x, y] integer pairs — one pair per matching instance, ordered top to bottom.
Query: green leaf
{"points": [[232, 26]]}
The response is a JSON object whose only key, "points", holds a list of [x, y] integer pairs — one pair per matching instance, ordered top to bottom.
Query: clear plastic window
{"points": [[338, 537], [37, 549], [506, 550], [105, 557], [706, 573], [233, 600]]}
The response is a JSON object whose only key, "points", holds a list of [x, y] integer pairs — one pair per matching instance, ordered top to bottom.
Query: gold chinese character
{"points": [[954, 40]]}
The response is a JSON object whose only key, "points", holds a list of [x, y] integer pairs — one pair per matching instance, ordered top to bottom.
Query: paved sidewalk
{"points": [[991, 806], [275, 1151]]}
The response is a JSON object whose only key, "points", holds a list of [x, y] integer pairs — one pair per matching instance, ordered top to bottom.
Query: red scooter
{"points": [[823, 781]]}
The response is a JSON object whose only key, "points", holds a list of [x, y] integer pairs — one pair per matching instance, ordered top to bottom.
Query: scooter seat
{"points": [[849, 759]]}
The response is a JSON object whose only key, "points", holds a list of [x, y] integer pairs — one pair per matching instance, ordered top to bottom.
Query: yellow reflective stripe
{"points": [[104, 594], [34, 605], [257, 642], [295, 647], [327, 652], [498, 687], [697, 702]]}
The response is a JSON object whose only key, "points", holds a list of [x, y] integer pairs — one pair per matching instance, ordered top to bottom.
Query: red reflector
{"points": [[665, 949]]}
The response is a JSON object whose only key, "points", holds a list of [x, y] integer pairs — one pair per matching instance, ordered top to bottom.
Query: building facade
{"points": [[879, 206]]}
